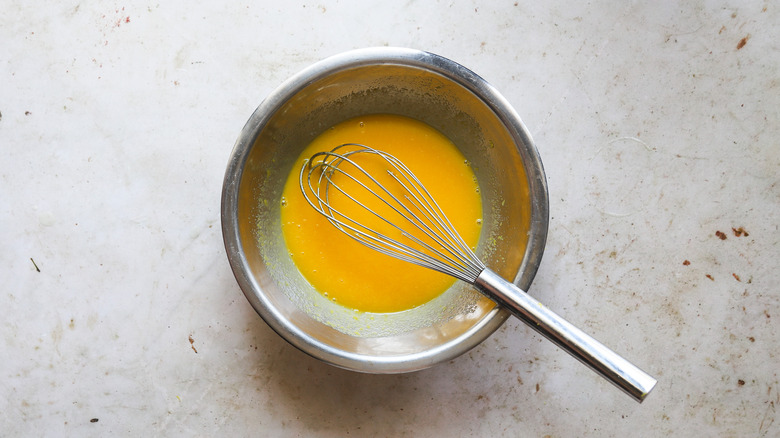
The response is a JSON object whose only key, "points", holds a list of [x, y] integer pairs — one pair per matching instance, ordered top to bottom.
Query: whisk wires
{"points": [[391, 211]]}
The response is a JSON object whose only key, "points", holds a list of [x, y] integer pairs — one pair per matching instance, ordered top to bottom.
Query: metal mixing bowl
{"points": [[417, 84]]}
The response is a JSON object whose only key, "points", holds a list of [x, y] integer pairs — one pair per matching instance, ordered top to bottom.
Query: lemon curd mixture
{"points": [[352, 274]]}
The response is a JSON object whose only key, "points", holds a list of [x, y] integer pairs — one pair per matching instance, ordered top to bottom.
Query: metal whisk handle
{"points": [[589, 351]]}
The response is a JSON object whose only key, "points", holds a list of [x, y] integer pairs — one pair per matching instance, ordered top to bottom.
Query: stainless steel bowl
{"points": [[417, 84]]}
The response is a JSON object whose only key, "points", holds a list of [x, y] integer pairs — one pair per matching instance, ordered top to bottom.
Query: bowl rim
{"points": [[321, 69]]}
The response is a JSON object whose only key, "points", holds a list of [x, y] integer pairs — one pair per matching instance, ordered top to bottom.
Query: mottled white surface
{"points": [[658, 128]]}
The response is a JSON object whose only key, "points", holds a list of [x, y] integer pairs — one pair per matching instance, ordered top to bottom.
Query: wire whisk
{"points": [[398, 217]]}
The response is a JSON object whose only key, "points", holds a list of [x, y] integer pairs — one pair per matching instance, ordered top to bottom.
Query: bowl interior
{"points": [[415, 84]]}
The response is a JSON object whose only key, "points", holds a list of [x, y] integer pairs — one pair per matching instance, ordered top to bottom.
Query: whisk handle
{"points": [[589, 351]]}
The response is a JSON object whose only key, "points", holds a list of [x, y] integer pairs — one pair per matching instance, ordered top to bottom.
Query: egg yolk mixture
{"points": [[347, 271]]}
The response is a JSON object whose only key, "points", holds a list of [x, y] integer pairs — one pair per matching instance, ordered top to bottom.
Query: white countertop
{"points": [[658, 125]]}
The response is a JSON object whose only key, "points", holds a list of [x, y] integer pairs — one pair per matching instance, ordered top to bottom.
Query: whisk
{"points": [[400, 218]]}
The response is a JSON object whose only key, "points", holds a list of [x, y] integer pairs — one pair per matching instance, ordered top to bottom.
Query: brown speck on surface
{"points": [[722, 28], [743, 41], [27, 113], [739, 232], [721, 235], [686, 262], [710, 277], [736, 277], [752, 339], [192, 344], [741, 382], [537, 387], [94, 420]]}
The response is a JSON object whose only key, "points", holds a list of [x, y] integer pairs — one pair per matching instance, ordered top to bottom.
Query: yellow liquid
{"points": [[352, 274]]}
